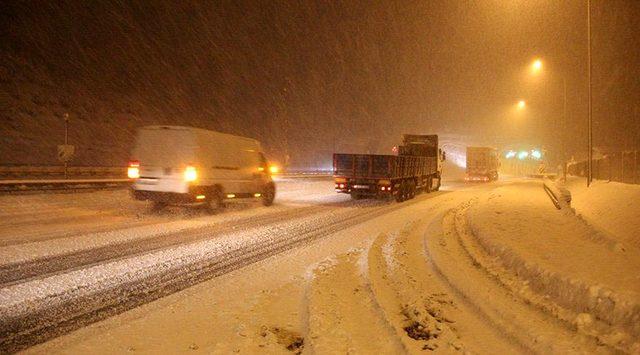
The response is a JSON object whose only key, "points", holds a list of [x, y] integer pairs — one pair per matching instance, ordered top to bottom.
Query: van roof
{"points": [[199, 130]]}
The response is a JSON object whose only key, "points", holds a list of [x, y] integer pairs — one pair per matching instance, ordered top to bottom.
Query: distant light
{"points": [[536, 66], [521, 104], [510, 154], [536, 154], [523, 155], [274, 169], [231, 195], [257, 195], [200, 197]]}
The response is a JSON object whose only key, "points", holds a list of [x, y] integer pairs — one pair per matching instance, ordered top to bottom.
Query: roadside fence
{"points": [[620, 167]]}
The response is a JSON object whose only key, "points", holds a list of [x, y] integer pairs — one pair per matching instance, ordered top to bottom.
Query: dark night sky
{"points": [[307, 77]]}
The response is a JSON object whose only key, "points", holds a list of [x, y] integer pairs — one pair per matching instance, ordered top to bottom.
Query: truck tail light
{"points": [[133, 171], [190, 173]]}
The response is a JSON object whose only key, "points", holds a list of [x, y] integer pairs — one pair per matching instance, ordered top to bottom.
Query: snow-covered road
{"points": [[472, 267], [79, 272]]}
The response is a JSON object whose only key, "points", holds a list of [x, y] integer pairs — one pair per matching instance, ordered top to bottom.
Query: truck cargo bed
{"points": [[373, 166]]}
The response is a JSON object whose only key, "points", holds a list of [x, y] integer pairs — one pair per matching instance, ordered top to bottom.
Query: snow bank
{"points": [[612, 207], [561, 258]]}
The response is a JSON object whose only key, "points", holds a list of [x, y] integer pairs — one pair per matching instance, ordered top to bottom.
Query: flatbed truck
{"points": [[417, 168]]}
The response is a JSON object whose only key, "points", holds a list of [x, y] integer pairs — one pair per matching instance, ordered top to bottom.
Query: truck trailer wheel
{"points": [[437, 187], [411, 191], [268, 194], [400, 195]]}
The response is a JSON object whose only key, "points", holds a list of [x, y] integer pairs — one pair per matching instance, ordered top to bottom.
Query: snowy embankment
{"points": [[611, 207], [557, 261]]}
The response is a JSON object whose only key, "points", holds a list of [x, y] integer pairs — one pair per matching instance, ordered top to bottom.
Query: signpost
{"points": [[66, 151]]}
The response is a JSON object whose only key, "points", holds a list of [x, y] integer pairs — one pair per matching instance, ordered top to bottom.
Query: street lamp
{"points": [[536, 66], [521, 105]]}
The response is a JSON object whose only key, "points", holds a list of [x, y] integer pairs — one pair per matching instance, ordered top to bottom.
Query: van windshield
{"points": [[164, 147]]}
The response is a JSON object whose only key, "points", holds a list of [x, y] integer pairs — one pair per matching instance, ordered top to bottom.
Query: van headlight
{"points": [[190, 174]]}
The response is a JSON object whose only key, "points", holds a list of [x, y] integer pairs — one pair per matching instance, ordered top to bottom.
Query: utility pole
{"points": [[590, 132], [563, 136], [66, 141]]}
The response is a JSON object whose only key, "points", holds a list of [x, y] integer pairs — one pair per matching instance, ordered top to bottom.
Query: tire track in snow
{"points": [[11, 274], [505, 310], [69, 314], [343, 316]]}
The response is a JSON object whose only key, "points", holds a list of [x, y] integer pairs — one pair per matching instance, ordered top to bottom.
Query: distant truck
{"points": [[482, 164], [177, 165], [416, 168]]}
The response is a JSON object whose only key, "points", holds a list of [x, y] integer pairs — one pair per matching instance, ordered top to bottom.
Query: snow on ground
{"points": [[612, 207], [35, 226], [484, 268], [594, 280], [30, 296], [282, 304]]}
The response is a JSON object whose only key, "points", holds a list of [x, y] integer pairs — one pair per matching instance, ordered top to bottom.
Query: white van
{"points": [[174, 164]]}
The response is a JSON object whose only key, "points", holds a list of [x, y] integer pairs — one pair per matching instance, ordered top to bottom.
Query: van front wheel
{"points": [[268, 194]]}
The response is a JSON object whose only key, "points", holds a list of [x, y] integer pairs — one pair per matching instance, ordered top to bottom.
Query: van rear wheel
{"points": [[268, 194], [216, 200], [157, 206]]}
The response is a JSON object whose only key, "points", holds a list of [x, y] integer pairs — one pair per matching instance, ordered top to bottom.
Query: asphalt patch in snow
{"points": [[291, 340]]}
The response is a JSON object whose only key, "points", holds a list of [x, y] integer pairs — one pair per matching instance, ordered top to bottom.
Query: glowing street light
{"points": [[536, 66], [521, 105], [523, 154], [536, 154]]}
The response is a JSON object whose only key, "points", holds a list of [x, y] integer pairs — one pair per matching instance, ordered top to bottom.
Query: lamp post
{"points": [[536, 68], [589, 129], [66, 142]]}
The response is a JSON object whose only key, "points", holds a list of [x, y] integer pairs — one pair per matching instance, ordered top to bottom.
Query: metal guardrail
{"points": [[23, 172], [27, 172], [41, 178], [9, 186], [560, 197]]}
